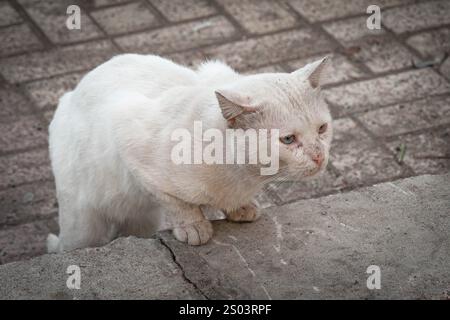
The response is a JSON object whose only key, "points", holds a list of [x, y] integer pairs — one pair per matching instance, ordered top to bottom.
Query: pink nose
{"points": [[317, 158]]}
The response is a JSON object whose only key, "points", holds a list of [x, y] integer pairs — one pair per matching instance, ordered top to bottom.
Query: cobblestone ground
{"points": [[389, 90]]}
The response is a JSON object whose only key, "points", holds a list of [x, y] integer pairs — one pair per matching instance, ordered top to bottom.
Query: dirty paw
{"points": [[246, 213], [194, 234]]}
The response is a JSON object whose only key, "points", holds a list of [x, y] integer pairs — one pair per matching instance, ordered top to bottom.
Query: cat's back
{"points": [[145, 74]]}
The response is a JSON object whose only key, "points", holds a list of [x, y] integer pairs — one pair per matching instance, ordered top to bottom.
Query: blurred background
{"points": [[388, 90]]}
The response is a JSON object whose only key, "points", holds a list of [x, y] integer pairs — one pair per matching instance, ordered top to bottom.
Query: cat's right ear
{"points": [[314, 72], [233, 105]]}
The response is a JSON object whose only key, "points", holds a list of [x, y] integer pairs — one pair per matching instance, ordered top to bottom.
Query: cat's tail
{"points": [[52, 243]]}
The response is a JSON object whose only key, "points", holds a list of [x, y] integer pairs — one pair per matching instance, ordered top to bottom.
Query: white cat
{"points": [[110, 146]]}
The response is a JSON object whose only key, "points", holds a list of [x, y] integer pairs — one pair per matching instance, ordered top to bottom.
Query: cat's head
{"points": [[291, 103]]}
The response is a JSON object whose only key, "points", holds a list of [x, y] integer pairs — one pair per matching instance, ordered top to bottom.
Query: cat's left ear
{"points": [[314, 71], [233, 105]]}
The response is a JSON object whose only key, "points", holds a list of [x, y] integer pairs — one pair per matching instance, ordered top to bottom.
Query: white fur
{"points": [[110, 147]]}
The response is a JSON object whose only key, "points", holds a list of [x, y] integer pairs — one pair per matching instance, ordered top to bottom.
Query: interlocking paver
{"points": [[179, 10], [319, 10], [8, 15], [259, 16], [417, 16], [51, 17], [126, 18], [349, 31], [179, 37], [18, 39], [431, 44], [256, 52], [382, 54], [57, 61], [445, 68], [340, 69], [46, 93], [368, 94], [12, 103], [406, 117], [25, 132], [427, 152], [360, 159], [24, 167], [290, 191], [28, 202], [25, 240]]}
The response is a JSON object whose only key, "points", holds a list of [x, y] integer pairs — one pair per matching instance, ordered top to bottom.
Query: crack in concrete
{"points": [[183, 273]]}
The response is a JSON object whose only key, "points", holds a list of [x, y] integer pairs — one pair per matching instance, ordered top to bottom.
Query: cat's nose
{"points": [[317, 158]]}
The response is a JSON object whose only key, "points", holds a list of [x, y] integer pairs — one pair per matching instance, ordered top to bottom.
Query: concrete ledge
{"points": [[317, 248]]}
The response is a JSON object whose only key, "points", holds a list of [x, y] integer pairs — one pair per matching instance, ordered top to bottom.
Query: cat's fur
{"points": [[110, 146]]}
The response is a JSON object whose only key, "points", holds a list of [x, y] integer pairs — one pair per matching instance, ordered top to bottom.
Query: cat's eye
{"points": [[323, 128], [288, 139]]}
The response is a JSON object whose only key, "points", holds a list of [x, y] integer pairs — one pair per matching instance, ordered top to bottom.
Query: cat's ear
{"points": [[314, 71], [233, 104]]}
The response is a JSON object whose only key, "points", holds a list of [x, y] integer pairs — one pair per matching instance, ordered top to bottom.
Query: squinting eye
{"points": [[323, 128], [288, 139]]}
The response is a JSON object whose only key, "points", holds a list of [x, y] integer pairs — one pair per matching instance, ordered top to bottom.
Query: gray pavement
{"points": [[316, 248]]}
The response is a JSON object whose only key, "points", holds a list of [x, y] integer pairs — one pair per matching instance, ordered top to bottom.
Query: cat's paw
{"points": [[246, 213], [194, 234]]}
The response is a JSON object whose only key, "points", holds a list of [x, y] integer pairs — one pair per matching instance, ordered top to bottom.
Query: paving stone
{"points": [[179, 10], [319, 10], [8, 15], [259, 16], [418, 16], [51, 17], [126, 18], [349, 31], [179, 37], [18, 39], [431, 44], [255, 52], [379, 52], [382, 54], [57, 61], [445, 68], [339, 70], [46, 93], [368, 94], [12, 103], [406, 117], [346, 130], [24, 132], [427, 152], [358, 158], [25, 167], [290, 191], [28, 202], [25, 241]]}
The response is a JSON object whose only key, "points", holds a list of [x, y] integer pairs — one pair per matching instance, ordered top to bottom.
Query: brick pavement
{"points": [[389, 88]]}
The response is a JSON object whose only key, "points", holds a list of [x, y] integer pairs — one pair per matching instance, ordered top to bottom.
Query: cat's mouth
{"points": [[317, 170]]}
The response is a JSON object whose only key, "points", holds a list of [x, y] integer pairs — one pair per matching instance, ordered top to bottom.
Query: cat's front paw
{"points": [[246, 213], [194, 234]]}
